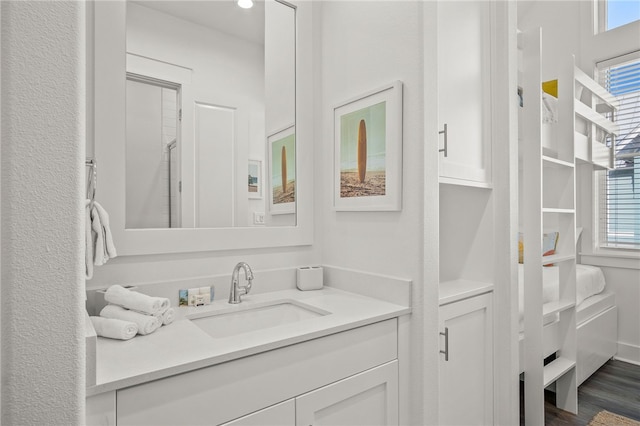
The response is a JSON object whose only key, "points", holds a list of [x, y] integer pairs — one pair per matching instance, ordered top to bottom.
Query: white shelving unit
{"points": [[550, 152], [549, 205]]}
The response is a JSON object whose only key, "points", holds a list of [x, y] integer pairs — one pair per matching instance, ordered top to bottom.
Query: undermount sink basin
{"points": [[238, 320]]}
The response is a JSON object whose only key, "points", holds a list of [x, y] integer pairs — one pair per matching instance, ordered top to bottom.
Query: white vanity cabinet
{"points": [[464, 92], [466, 362], [333, 378], [369, 398], [101, 409], [283, 414]]}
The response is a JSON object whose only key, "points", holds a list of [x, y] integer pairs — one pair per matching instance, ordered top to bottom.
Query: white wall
{"points": [[561, 26], [567, 29], [365, 45], [43, 136], [625, 283]]}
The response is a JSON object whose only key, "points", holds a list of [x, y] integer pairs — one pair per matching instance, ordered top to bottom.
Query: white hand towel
{"points": [[110, 248], [88, 249], [99, 254], [135, 301], [167, 316], [146, 323], [114, 328]]}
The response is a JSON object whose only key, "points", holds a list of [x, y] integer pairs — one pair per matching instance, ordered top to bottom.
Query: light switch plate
{"points": [[258, 218]]}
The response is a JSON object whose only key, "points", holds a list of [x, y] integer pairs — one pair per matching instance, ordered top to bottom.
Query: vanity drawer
{"points": [[230, 390]]}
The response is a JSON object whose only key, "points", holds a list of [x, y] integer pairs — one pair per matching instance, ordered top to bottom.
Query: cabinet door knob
{"points": [[444, 132], [446, 338]]}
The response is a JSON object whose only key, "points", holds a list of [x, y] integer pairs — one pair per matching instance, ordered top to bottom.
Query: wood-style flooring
{"points": [[615, 387]]}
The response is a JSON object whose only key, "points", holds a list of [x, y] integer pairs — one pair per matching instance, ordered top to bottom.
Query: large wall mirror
{"points": [[202, 112], [210, 114]]}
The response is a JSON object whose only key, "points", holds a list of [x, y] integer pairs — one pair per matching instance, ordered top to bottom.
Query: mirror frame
{"points": [[110, 137]]}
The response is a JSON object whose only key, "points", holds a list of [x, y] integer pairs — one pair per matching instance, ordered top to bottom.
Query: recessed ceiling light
{"points": [[245, 4]]}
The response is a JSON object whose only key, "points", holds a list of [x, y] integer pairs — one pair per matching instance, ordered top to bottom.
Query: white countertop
{"points": [[182, 346]]}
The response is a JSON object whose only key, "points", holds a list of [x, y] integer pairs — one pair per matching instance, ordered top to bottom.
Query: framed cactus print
{"points": [[368, 151], [282, 171]]}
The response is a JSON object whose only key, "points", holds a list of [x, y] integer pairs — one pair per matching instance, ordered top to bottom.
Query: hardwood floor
{"points": [[615, 387]]}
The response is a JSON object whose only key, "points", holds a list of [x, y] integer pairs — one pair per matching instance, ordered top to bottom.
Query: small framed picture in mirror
{"points": [[255, 182]]}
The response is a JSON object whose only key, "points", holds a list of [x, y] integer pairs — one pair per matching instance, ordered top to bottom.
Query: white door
{"points": [[464, 90], [214, 145], [466, 369], [367, 399], [283, 414]]}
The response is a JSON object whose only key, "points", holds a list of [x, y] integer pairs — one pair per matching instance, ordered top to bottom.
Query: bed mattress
{"points": [[590, 282]]}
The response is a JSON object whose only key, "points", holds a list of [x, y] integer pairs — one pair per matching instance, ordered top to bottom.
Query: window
{"points": [[616, 13], [620, 188]]}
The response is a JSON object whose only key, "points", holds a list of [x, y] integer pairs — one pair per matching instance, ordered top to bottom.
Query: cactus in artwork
{"points": [[362, 151], [284, 169]]}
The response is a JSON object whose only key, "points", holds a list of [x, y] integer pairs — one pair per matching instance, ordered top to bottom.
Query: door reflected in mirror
{"points": [[210, 96]]}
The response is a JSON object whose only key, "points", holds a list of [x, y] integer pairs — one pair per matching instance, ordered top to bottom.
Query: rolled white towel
{"points": [[135, 301], [167, 316], [146, 323], [114, 328]]}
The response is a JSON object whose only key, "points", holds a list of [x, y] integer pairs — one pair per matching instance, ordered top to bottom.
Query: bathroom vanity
{"points": [[339, 362]]}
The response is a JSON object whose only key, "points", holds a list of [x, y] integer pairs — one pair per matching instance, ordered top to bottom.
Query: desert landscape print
{"points": [[363, 152], [283, 170], [286, 196]]}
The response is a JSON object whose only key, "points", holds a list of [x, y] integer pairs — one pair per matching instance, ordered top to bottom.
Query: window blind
{"points": [[619, 215]]}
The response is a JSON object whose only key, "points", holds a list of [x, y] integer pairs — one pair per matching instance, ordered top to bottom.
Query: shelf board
{"points": [[595, 88], [595, 118], [554, 162], [462, 182], [554, 210], [557, 258], [454, 290], [552, 308], [556, 369]]}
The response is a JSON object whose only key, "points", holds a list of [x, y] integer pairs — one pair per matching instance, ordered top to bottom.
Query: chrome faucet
{"points": [[236, 290]]}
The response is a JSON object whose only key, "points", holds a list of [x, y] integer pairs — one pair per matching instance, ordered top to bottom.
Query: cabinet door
{"points": [[464, 91], [466, 377], [368, 399], [101, 409], [283, 414]]}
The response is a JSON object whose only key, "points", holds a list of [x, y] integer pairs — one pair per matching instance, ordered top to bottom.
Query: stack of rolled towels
{"points": [[129, 313]]}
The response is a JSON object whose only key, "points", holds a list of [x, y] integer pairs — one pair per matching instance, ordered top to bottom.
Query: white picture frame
{"points": [[281, 146], [368, 151], [255, 181]]}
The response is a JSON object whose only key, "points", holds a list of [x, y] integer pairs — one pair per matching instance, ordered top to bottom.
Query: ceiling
{"points": [[221, 15]]}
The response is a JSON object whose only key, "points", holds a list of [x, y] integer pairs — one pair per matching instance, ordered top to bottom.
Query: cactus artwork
{"points": [[363, 152], [283, 156], [283, 168]]}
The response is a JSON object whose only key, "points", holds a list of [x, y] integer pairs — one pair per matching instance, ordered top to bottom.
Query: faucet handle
{"points": [[247, 287]]}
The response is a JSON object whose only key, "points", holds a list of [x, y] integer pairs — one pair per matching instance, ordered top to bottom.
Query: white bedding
{"points": [[549, 108], [589, 281]]}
